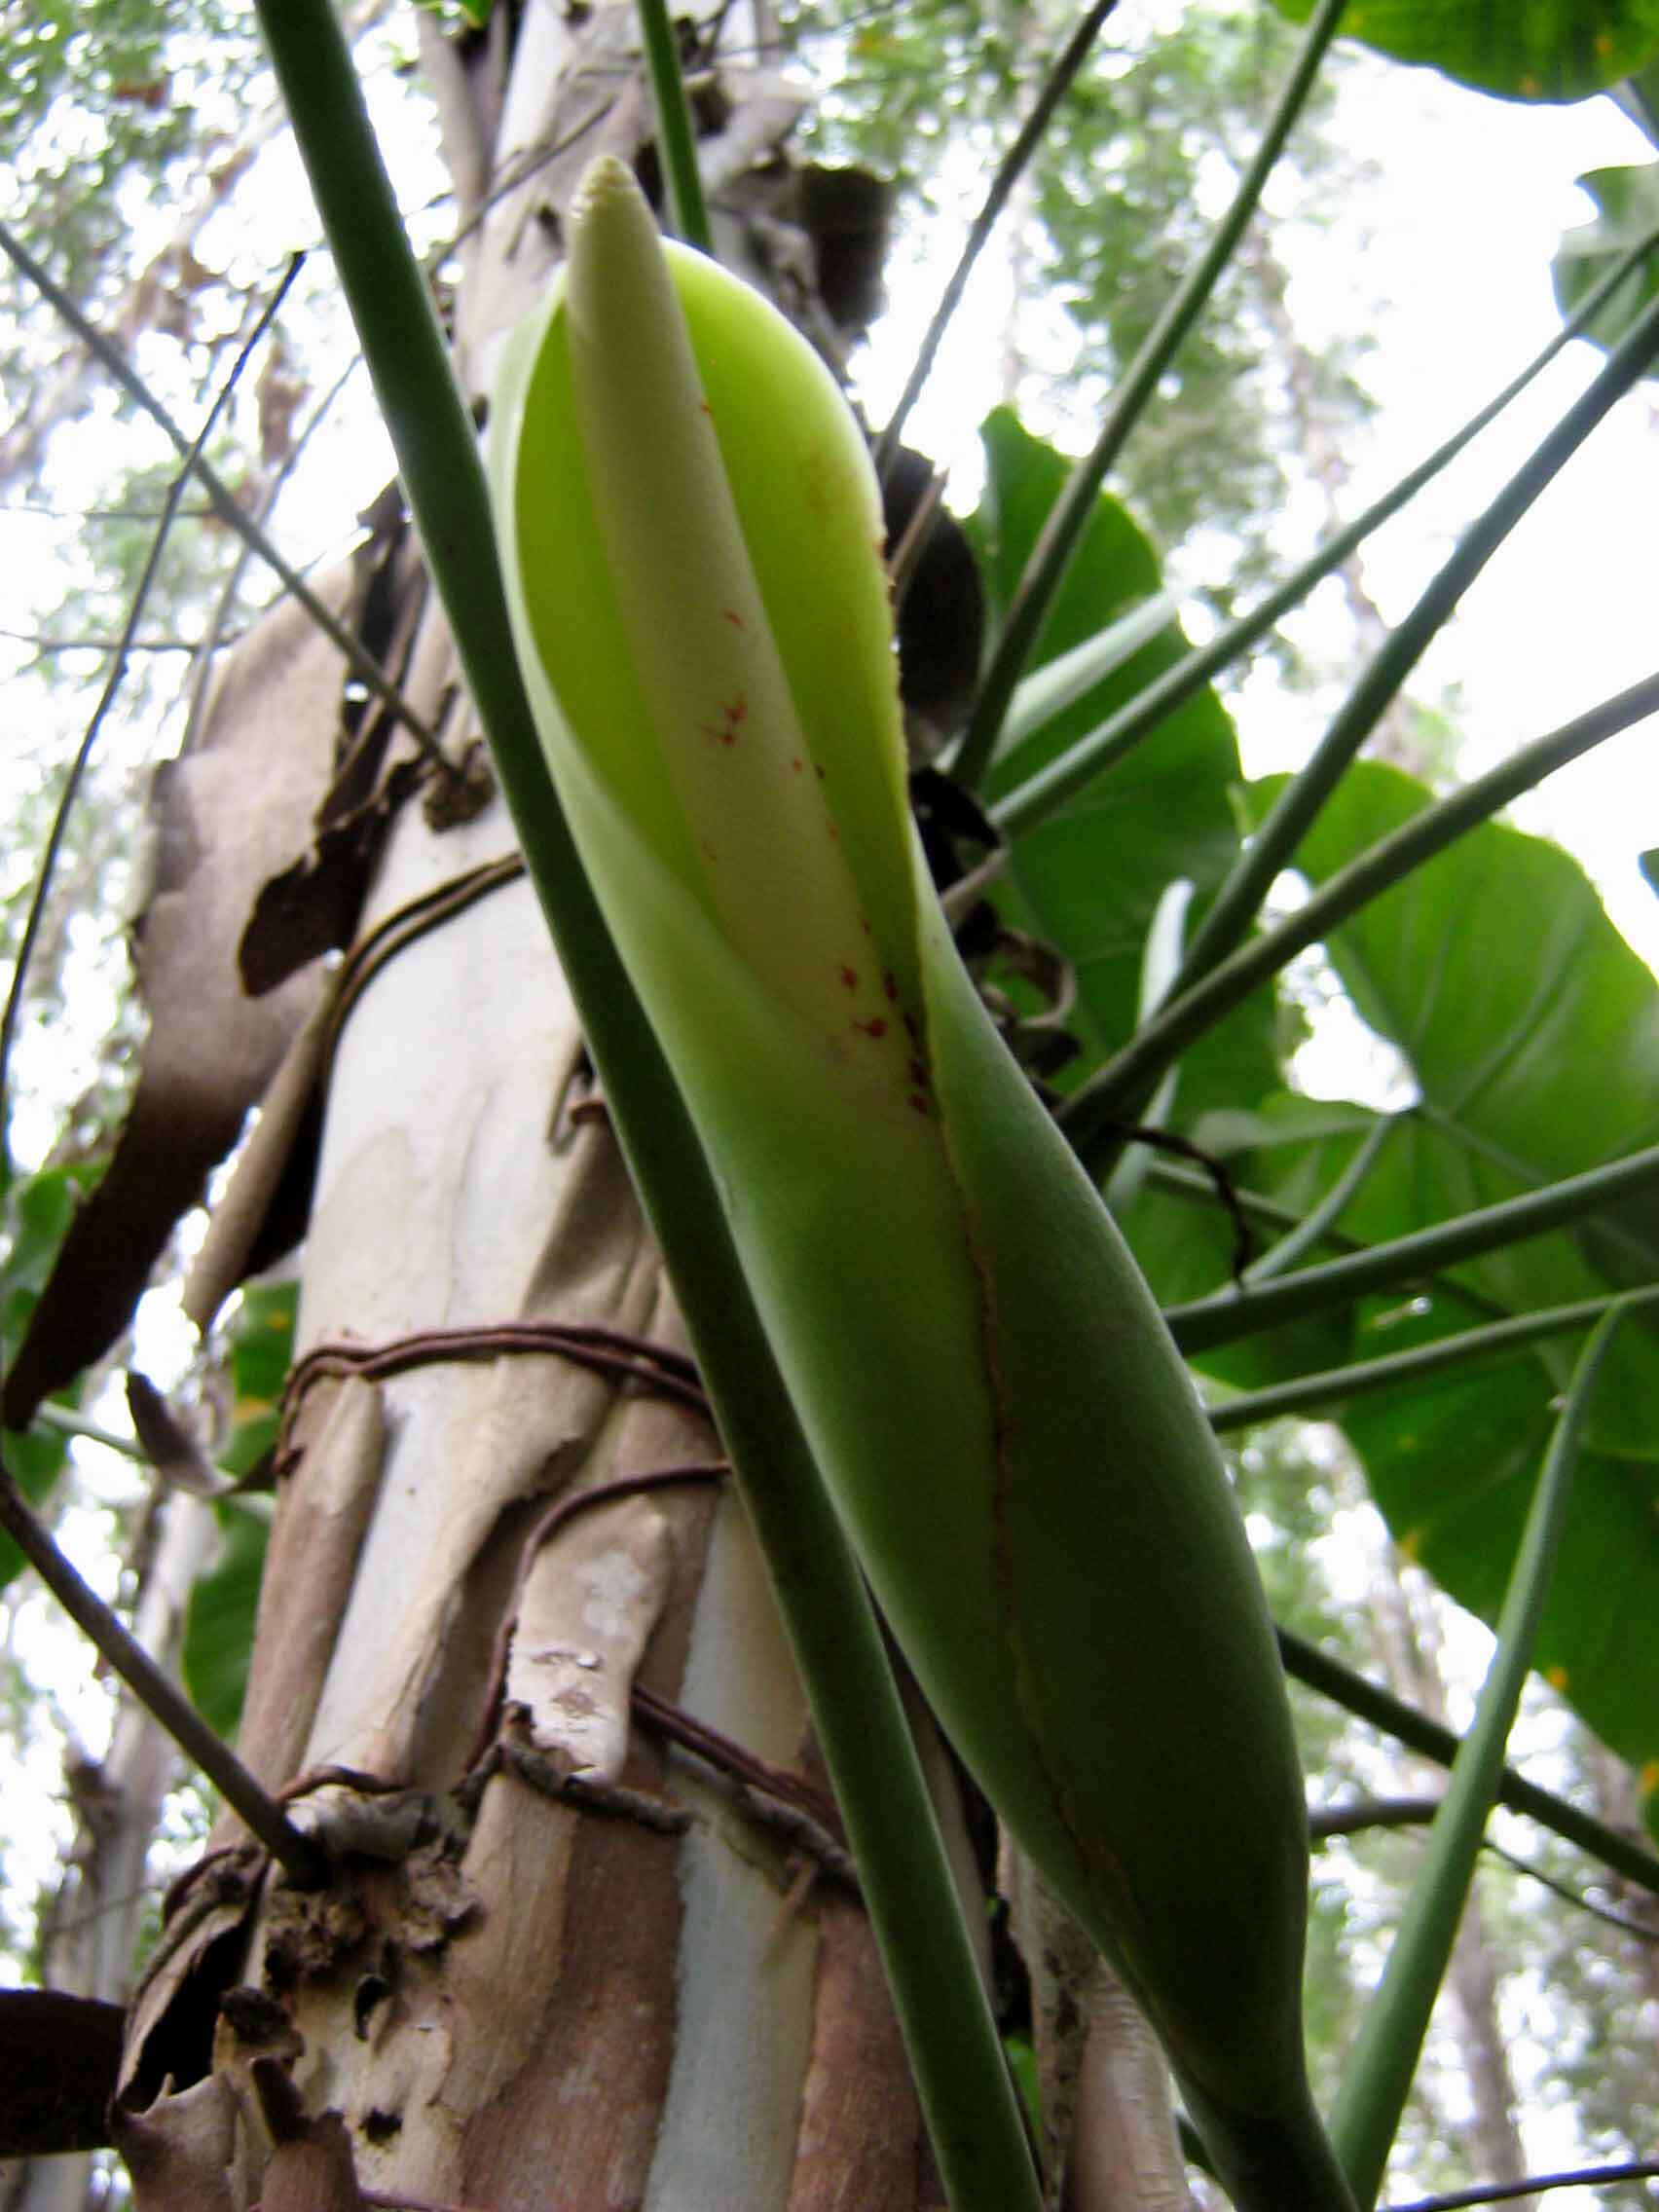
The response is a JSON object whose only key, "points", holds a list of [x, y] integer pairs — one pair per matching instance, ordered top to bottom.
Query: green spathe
{"points": [[692, 538]]}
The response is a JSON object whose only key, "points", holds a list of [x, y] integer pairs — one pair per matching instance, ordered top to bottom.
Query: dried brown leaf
{"points": [[227, 816]]}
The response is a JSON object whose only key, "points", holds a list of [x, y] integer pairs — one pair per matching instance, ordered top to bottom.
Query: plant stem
{"points": [[676, 142], [1072, 512], [1042, 794], [1271, 849], [1091, 1117], [1279, 1258], [1229, 1314], [1337, 1385], [1318, 1670], [1378, 2077], [962, 2079]]}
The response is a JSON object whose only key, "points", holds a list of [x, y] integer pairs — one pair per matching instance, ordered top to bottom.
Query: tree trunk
{"points": [[560, 1959]]}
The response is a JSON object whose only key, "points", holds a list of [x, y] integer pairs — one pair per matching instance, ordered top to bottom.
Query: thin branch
{"points": [[1010, 170], [226, 506], [1072, 512], [218, 631], [39, 641], [106, 700], [1271, 849], [1213, 991], [167, 1705], [1430, 1739], [1361, 1813], [1574, 1897], [1497, 2192]]}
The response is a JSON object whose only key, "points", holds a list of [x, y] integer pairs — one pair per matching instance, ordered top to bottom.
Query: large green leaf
{"points": [[1525, 49], [1627, 211], [1088, 879], [1531, 1025], [1534, 1033], [218, 1625]]}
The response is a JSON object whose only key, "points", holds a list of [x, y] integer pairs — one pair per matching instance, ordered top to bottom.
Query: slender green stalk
{"points": [[675, 140], [1010, 170], [226, 506], [1072, 512], [1042, 794], [1240, 898], [1092, 1117], [1197, 1188], [1310, 1230], [1635, 1248], [1226, 1317], [1337, 1385], [1317, 1670], [961, 2076], [1377, 2077]]}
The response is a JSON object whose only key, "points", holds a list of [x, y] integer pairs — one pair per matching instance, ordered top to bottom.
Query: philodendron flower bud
{"points": [[692, 538]]}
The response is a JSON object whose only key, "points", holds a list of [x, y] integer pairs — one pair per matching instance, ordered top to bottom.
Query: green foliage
{"points": [[1528, 50], [94, 96], [1627, 211], [1116, 217], [1163, 814], [1497, 973], [39, 1210], [261, 1346], [218, 1634]]}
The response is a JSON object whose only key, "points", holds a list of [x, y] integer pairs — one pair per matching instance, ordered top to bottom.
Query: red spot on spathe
{"points": [[731, 615], [734, 713], [849, 976], [874, 1027]]}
